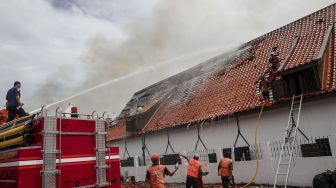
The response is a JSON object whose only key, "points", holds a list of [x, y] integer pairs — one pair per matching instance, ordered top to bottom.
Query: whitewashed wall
{"points": [[317, 119]]}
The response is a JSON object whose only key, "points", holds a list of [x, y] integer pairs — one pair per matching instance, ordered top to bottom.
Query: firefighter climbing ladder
{"points": [[49, 151], [100, 152], [284, 164]]}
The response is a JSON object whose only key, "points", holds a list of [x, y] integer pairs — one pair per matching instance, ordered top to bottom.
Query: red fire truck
{"points": [[60, 150]]}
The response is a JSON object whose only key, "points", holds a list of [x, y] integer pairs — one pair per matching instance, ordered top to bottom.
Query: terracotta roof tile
{"points": [[231, 89], [118, 131]]}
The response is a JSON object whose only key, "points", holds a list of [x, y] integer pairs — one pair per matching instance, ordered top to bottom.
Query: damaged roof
{"points": [[226, 84]]}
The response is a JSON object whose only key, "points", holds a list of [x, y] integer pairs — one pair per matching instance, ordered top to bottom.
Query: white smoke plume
{"points": [[164, 30]]}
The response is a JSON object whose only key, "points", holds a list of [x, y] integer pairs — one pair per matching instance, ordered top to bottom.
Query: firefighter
{"points": [[274, 61], [264, 84], [14, 104], [225, 168], [195, 173], [155, 175]]}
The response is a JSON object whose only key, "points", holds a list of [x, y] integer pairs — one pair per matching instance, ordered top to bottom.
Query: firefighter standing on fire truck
{"points": [[14, 104], [156, 173]]}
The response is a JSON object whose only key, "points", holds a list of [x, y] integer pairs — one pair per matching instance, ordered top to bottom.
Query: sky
{"points": [[58, 48]]}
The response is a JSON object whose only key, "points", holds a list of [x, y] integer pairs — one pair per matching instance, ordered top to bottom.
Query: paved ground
{"points": [[141, 185]]}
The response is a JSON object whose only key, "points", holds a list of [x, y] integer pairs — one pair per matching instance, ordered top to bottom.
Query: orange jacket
{"points": [[225, 164], [193, 168], [156, 176]]}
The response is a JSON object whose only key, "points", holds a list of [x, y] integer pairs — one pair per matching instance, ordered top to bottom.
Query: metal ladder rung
{"points": [[50, 132], [101, 133], [289, 139], [287, 144], [101, 149], [50, 151], [102, 166], [49, 171], [282, 174], [102, 184]]}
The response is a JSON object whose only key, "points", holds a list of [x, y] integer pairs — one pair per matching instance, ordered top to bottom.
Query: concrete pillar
{"points": [[332, 142], [219, 154], [232, 154], [272, 162], [136, 168]]}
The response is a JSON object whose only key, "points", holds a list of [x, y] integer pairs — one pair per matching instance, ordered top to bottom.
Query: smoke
{"points": [[180, 27], [174, 28], [59, 84]]}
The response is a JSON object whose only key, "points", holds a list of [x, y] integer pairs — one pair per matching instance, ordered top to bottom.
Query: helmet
{"points": [[227, 154], [155, 157]]}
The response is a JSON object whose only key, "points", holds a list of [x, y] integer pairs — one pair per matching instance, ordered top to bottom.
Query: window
{"points": [[303, 82], [324, 146], [320, 148], [242, 153], [212, 158], [171, 159], [129, 162]]}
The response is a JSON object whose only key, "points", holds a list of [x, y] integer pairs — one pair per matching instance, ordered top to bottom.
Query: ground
{"points": [[141, 185]]}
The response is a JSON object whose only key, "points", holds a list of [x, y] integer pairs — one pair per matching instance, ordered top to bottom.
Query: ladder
{"points": [[289, 141], [49, 152], [100, 154]]}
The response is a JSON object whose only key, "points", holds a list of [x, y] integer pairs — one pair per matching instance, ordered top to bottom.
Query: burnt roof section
{"points": [[225, 84]]}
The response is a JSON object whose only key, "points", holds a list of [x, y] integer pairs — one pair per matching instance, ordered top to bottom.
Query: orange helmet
{"points": [[155, 157]]}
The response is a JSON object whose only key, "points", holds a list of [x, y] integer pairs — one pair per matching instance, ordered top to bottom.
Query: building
{"points": [[214, 106]]}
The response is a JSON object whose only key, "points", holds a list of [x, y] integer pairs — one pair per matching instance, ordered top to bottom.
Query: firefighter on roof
{"points": [[274, 60], [264, 85], [156, 173]]}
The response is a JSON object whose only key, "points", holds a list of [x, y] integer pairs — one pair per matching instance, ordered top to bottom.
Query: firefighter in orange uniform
{"points": [[225, 167], [156, 173], [195, 173]]}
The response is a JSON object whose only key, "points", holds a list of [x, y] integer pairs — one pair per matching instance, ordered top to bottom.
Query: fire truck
{"points": [[58, 150]]}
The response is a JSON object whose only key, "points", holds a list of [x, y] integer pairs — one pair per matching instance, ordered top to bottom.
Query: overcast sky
{"points": [[59, 47]]}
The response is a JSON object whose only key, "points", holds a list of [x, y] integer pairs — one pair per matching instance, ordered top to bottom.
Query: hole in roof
{"points": [[320, 21]]}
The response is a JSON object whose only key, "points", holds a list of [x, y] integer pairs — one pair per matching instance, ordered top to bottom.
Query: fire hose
{"points": [[16, 141], [256, 148]]}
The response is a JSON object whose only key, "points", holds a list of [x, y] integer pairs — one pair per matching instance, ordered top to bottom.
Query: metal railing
{"points": [[314, 147]]}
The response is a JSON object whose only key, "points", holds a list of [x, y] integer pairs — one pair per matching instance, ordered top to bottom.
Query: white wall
{"points": [[317, 119]]}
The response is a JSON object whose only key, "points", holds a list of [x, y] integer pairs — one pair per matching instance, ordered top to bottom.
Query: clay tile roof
{"points": [[220, 89], [118, 131]]}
